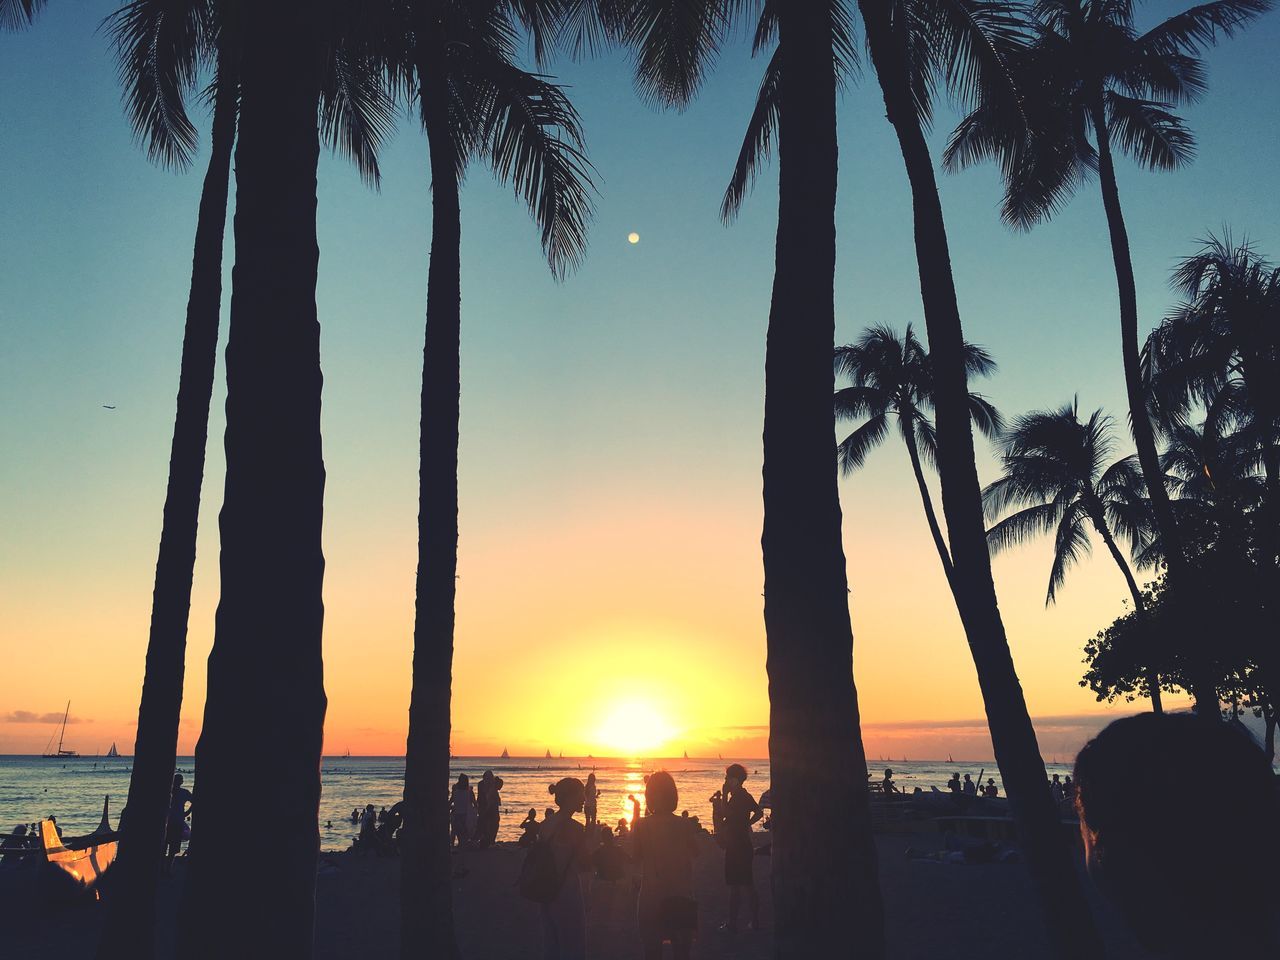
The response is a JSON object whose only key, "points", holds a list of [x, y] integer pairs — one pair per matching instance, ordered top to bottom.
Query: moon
{"points": [[633, 237]]}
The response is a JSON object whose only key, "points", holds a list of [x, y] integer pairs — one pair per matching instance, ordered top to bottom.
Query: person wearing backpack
{"points": [[550, 874]]}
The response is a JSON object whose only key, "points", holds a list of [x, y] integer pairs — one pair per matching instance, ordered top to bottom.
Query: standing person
{"points": [[954, 783], [970, 788], [1055, 788], [991, 790], [593, 795], [490, 808], [635, 810], [462, 812], [740, 812], [176, 829], [369, 830], [664, 847], [564, 919]]}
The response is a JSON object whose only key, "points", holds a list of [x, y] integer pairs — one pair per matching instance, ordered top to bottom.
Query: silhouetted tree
{"points": [[161, 46], [1089, 71], [476, 103], [891, 378], [1056, 470], [264, 711], [825, 884]]}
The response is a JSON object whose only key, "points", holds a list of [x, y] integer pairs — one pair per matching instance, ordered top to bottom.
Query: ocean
{"points": [[73, 789]]}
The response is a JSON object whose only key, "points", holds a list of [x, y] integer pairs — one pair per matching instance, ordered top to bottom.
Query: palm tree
{"points": [[18, 14], [161, 46], [966, 47], [1089, 71], [476, 103], [891, 377], [1056, 469], [264, 711], [825, 882]]}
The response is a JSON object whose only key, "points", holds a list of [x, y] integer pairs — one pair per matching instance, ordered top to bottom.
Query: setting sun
{"points": [[634, 728]]}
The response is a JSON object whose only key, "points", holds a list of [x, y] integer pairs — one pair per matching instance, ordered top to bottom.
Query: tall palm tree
{"points": [[18, 14], [161, 46], [965, 46], [1090, 72], [476, 103], [891, 378], [1056, 469], [264, 710], [825, 883]]}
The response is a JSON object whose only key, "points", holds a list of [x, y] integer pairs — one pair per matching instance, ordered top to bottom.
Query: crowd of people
{"points": [[567, 856]]}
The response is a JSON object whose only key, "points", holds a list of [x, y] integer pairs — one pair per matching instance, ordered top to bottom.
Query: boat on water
{"points": [[113, 752], [61, 754], [686, 754], [505, 755], [548, 756], [80, 862]]}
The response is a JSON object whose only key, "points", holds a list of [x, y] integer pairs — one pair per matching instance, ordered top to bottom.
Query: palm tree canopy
{"points": [[163, 46], [1086, 57], [890, 376], [1057, 471]]}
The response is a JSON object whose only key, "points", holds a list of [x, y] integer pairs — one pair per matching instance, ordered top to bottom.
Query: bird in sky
{"points": [[108, 406]]}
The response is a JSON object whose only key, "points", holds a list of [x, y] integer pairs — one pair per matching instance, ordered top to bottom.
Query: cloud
{"points": [[29, 716]]}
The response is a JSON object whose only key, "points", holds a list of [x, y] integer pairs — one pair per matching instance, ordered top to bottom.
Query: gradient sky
{"points": [[610, 489]]}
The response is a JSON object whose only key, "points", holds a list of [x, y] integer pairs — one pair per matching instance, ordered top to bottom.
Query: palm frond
{"points": [[18, 14], [1200, 26], [676, 43], [160, 46], [357, 112], [1149, 133], [532, 137], [757, 143], [859, 401], [985, 416], [927, 440], [853, 449], [1024, 526], [1070, 545]]}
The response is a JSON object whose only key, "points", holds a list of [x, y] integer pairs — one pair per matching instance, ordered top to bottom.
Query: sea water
{"points": [[73, 789]]}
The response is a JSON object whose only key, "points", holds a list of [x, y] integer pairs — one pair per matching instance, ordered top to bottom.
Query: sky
{"points": [[609, 593]]}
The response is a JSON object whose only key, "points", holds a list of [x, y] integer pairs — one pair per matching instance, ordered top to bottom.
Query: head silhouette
{"points": [[735, 774], [177, 779], [660, 793], [570, 794], [1192, 870]]}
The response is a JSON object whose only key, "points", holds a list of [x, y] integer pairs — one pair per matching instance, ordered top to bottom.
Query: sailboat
{"points": [[113, 752], [62, 754], [686, 754], [347, 755], [505, 755], [548, 756], [949, 760]]}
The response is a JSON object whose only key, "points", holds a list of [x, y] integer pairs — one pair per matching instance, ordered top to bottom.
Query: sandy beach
{"points": [[932, 909]]}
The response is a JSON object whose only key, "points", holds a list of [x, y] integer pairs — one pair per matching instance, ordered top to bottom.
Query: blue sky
{"points": [[592, 408]]}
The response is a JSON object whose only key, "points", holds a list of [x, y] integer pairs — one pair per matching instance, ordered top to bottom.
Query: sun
{"points": [[633, 237], [633, 728]]}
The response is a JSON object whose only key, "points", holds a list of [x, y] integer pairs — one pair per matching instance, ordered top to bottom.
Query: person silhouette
{"points": [[954, 783], [886, 785], [970, 788], [1055, 788], [991, 790], [490, 807], [589, 807], [635, 810], [461, 812], [740, 812], [529, 828], [176, 829], [664, 847], [1192, 870], [564, 920]]}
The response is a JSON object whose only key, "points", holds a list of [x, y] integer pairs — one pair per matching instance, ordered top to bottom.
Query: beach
{"points": [[932, 909]]}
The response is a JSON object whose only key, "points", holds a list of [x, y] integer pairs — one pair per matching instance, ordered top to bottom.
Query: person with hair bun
{"points": [[664, 846], [1192, 870], [564, 920]]}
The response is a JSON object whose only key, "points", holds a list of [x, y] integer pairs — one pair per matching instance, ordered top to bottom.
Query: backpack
{"points": [[540, 879]]}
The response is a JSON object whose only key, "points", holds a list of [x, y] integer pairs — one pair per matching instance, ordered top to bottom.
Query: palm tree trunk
{"points": [[909, 436], [1139, 605], [1205, 687], [264, 713], [1041, 836], [825, 884], [426, 907], [129, 931]]}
